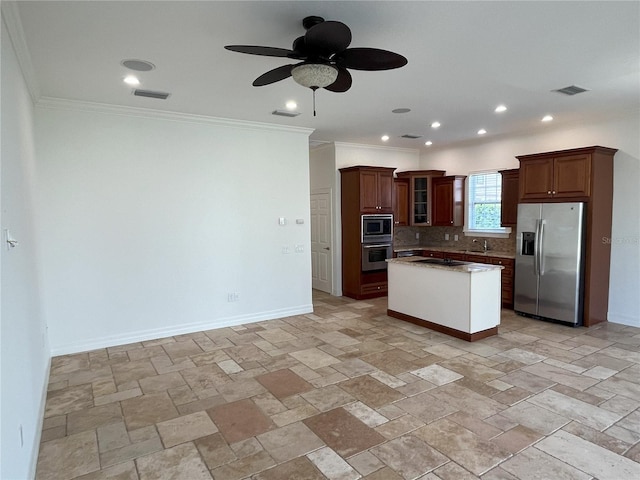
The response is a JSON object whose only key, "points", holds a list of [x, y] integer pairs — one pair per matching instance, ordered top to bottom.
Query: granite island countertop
{"points": [[488, 253], [467, 267]]}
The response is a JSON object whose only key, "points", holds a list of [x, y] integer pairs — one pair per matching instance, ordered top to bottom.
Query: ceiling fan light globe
{"points": [[314, 75]]}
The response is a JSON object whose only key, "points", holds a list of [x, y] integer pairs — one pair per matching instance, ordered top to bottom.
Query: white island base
{"points": [[461, 301]]}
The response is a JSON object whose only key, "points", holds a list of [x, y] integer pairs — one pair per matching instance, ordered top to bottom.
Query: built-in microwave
{"points": [[377, 228]]}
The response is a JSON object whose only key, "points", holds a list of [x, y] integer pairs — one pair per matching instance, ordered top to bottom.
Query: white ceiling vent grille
{"points": [[571, 90], [151, 94], [285, 113], [410, 135]]}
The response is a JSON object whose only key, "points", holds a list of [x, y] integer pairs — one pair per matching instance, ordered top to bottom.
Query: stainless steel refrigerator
{"points": [[550, 261]]}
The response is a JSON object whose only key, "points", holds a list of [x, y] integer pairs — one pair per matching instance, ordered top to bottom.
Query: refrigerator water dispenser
{"points": [[528, 242]]}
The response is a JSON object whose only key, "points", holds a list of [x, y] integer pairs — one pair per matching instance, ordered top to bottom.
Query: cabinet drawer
{"points": [[432, 254], [478, 259], [507, 263], [373, 288]]}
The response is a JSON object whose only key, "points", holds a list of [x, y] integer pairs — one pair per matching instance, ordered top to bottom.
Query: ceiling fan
{"points": [[325, 57]]}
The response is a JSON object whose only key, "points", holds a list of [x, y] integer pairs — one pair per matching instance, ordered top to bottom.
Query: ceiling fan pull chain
{"points": [[314, 100]]}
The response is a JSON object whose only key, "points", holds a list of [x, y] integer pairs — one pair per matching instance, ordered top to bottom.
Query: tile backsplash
{"points": [[434, 237]]}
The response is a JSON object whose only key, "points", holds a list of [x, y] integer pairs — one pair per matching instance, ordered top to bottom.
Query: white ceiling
{"points": [[465, 58]]}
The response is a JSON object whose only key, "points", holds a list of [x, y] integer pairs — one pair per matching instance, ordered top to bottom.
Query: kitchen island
{"points": [[461, 299]]}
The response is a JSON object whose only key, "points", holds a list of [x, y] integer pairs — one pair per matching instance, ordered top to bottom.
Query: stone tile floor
{"points": [[347, 393]]}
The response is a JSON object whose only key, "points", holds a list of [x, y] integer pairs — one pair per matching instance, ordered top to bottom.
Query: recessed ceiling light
{"points": [[131, 80], [291, 105], [500, 109], [401, 110], [547, 118], [435, 125], [482, 131], [384, 138], [428, 143]]}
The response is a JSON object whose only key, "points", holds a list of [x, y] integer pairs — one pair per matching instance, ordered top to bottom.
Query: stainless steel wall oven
{"points": [[377, 238]]}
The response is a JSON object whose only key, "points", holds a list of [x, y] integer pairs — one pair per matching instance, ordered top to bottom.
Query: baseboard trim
{"points": [[629, 320], [152, 334], [469, 337], [35, 448]]}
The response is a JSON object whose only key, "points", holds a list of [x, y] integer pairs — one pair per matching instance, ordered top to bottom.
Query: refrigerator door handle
{"points": [[541, 249], [536, 250]]}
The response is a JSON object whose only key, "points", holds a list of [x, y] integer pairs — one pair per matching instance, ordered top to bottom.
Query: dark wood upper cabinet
{"points": [[557, 177], [375, 187], [510, 195], [420, 197], [448, 201], [401, 202]]}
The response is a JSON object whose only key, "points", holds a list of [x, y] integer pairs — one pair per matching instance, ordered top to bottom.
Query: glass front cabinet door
{"points": [[420, 194]]}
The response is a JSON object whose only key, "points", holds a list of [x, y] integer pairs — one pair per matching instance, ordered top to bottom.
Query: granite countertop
{"points": [[489, 253], [468, 267]]}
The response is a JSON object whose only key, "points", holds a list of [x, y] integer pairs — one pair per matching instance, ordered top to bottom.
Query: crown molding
{"points": [[11, 19], [52, 103], [377, 147]]}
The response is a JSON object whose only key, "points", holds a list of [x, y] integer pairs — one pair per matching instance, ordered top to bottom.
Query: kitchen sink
{"points": [[447, 262]]}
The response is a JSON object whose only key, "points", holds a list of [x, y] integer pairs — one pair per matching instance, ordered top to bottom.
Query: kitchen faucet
{"points": [[485, 245]]}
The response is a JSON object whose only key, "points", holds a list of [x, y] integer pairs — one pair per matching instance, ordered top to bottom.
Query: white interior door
{"points": [[321, 265]]}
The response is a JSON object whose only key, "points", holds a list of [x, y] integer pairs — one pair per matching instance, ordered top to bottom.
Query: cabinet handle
{"points": [[549, 192], [554, 192], [451, 221]]}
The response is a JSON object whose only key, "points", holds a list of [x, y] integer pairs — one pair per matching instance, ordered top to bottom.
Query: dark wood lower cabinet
{"points": [[506, 274], [371, 285]]}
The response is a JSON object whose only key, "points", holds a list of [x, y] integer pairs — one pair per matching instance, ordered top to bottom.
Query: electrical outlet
{"points": [[417, 235], [446, 236], [455, 238], [299, 248], [285, 250], [233, 297]]}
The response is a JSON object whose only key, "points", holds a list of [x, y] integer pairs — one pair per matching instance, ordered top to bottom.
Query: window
{"points": [[484, 204]]}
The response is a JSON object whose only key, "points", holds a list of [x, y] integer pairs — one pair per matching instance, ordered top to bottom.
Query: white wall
{"points": [[620, 133], [350, 154], [322, 167], [149, 223], [24, 350]]}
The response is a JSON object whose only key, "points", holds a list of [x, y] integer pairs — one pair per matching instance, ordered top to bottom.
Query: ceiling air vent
{"points": [[571, 90], [151, 94], [285, 113], [409, 135]]}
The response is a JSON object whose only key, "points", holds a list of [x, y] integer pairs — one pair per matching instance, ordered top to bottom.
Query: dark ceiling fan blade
{"points": [[327, 38], [258, 50], [369, 59], [273, 76], [342, 83]]}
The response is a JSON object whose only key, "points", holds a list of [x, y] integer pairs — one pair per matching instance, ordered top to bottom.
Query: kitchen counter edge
{"points": [[490, 253], [469, 268]]}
